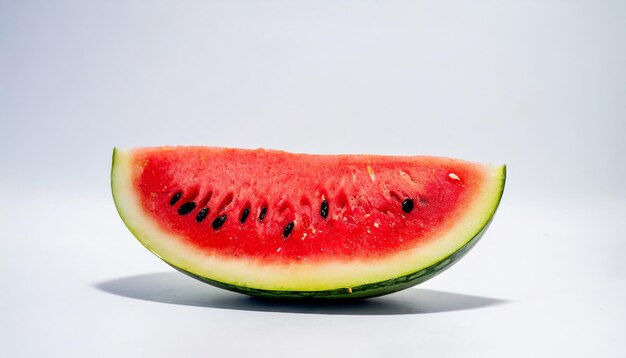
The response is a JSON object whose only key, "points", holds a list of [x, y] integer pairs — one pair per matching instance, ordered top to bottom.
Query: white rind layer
{"points": [[301, 276]]}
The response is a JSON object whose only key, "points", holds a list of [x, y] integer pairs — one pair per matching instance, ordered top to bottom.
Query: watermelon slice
{"points": [[277, 224]]}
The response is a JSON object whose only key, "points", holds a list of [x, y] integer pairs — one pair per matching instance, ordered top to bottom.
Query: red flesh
{"points": [[365, 217]]}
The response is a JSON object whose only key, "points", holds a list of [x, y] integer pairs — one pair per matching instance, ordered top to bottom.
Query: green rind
{"points": [[363, 291]]}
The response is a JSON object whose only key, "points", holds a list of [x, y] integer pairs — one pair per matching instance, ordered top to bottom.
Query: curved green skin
{"points": [[363, 291]]}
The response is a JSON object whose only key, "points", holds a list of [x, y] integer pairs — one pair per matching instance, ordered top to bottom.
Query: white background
{"points": [[540, 86]]}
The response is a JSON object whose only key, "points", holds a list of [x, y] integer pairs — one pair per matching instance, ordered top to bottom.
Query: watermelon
{"points": [[277, 224]]}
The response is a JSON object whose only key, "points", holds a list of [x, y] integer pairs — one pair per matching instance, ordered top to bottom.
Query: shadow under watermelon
{"points": [[175, 288]]}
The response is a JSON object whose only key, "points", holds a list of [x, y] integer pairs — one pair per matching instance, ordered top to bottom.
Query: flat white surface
{"points": [[538, 86], [543, 282]]}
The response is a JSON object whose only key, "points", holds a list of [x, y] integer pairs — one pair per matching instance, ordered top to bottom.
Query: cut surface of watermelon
{"points": [[278, 224]]}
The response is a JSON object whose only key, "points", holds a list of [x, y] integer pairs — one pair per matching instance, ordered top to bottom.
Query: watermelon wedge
{"points": [[277, 224]]}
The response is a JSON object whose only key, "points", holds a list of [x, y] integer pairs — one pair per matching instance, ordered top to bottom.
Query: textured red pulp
{"points": [[364, 195]]}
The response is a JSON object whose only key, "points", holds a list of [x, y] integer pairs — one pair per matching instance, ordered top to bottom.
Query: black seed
{"points": [[175, 198], [407, 205], [186, 208], [324, 209], [202, 214], [244, 215], [262, 215], [218, 222], [288, 229]]}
